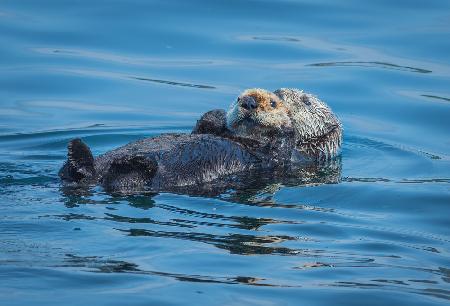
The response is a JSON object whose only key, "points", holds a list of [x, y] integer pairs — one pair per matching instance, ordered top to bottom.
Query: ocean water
{"points": [[115, 71]]}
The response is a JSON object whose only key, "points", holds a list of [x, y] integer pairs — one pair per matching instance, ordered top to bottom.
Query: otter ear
{"points": [[289, 95], [212, 122]]}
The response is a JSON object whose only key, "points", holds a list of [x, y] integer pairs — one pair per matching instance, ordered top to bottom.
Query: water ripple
{"points": [[130, 60], [373, 64], [173, 83], [436, 97], [371, 228], [234, 243], [99, 265]]}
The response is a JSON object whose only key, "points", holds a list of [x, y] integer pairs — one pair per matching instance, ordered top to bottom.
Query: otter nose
{"points": [[248, 103]]}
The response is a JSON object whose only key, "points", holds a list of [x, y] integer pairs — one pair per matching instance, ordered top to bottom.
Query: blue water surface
{"points": [[115, 71]]}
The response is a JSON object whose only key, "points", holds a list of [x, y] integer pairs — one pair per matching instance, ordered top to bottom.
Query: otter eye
{"points": [[305, 100], [273, 104]]}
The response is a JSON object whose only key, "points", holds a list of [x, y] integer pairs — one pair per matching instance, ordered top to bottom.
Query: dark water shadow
{"points": [[123, 219], [240, 222], [234, 243], [99, 265]]}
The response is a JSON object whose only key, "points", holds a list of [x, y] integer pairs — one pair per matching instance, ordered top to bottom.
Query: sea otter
{"points": [[262, 132]]}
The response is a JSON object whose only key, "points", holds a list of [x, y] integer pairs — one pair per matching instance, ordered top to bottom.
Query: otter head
{"points": [[259, 115], [299, 118]]}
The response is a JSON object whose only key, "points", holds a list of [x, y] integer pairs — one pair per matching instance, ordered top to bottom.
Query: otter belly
{"points": [[172, 160]]}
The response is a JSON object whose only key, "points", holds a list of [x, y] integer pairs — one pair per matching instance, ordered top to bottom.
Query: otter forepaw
{"points": [[212, 122]]}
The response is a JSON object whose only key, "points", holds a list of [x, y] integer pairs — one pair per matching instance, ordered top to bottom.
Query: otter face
{"points": [[258, 113]]}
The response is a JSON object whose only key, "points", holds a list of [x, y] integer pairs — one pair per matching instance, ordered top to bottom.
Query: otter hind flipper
{"points": [[79, 167], [130, 173]]}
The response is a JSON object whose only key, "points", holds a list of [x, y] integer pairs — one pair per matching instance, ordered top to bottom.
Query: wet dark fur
{"points": [[210, 159], [166, 162]]}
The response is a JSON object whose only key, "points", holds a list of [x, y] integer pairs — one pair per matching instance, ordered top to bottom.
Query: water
{"points": [[116, 71]]}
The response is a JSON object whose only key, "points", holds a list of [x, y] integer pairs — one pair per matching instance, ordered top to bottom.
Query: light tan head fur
{"points": [[270, 112]]}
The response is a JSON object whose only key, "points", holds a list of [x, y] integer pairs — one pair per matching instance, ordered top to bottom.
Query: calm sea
{"points": [[116, 71]]}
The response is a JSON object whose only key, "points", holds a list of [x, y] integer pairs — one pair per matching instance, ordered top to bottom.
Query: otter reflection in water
{"points": [[264, 136]]}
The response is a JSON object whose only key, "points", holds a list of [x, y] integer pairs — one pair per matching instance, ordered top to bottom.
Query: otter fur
{"points": [[262, 131]]}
